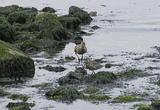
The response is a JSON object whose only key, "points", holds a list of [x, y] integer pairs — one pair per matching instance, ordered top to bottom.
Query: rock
{"points": [[9, 9], [49, 10], [81, 14], [17, 17], [71, 23], [48, 26], [95, 27], [7, 32], [78, 39], [14, 63], [108, 65], [55, 69], [102, 77], [71, 78], [63, 93], [156, 104], [20, 105], [145, 108]]}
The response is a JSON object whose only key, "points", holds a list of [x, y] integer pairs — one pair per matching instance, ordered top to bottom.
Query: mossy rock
{"points": [[9, 9], [31, 10], [49, 10], [81, 14], [17, 17], [71, 23], [49, 26], [7, 32], [31, 45], [14, 62], [102, 77], [71, 78], [90, 90], [3, 93], [63, 93], [22, 97], [95, 97], [126, 98], [156, 104], [20, 105], [145, 108]]}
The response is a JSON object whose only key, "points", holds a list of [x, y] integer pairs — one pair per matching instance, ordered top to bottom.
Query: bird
{"points": [[80, 49], [92, 65]]}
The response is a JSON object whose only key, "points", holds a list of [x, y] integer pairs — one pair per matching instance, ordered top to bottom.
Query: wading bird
{"points": [[80, 49], [92, 65]]}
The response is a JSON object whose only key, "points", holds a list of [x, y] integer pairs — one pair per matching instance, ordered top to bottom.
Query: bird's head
{"points": [[83, 43], [87, 60]]}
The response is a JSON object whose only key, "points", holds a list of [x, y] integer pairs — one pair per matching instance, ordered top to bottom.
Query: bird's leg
{"points": [[82, 57], [78, 58]]}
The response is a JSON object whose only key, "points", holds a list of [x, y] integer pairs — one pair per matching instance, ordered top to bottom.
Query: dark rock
{"points": [[9, 9], [49, 10], [81, 14], [17, 17], [71, 23], [95, 27], [7, 32], [108, 65], [55, 69], [102, 77], [71, 78], [63, 93], [156, 104], [20, 105]]}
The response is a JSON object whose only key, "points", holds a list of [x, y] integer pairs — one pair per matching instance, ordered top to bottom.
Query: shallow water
{"points": [[127, 28]]}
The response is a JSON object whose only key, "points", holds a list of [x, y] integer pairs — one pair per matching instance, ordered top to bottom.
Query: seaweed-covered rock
{"points": [[9, 9], [49, 10], [81, 14], [17, 17], [72, 23], [48, 26], [7, 32], [31, 45], [15, 63], [55, 69], [102, 77], [71, 78], [3, 93], [63, 93], [24, 98], [156, 104], [20, 105], [145, 108]]}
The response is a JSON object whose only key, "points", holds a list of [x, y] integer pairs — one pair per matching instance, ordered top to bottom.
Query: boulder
{"points": [[81, 14], [17, 17], [7, 32], [14, 63], [63, 93]]}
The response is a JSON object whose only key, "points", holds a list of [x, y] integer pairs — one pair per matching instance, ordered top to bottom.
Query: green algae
{"points": [[90, 90], [22, 97], [95, 97], [127, 98], [145, 108]]}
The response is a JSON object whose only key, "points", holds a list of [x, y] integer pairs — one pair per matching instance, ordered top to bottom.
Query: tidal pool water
{"points": [[128, 30]]}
